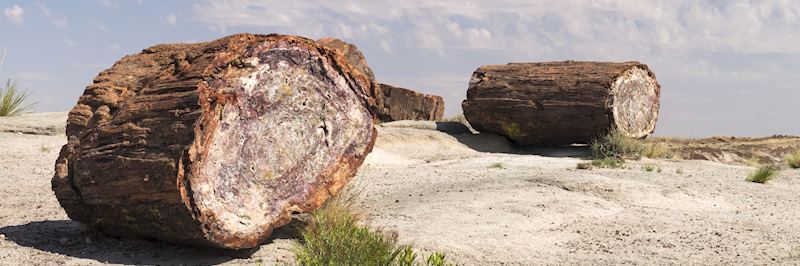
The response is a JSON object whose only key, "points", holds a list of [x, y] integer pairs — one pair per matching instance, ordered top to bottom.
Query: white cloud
{"points": [[109, 3], [14, 14], [59, 20], [172, 20], [99, 26], [586, 27], [69, 42], [114, 48]]}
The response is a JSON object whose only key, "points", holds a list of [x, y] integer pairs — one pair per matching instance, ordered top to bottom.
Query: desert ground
{"points": [[474, 197]]}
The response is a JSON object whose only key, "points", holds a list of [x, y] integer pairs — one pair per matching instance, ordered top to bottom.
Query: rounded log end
{"points": [[635, 102], [293, 132]]}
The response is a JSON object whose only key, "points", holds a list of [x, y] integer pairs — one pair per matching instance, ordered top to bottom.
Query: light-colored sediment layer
{"points": [[35, 123], [438, 192]]}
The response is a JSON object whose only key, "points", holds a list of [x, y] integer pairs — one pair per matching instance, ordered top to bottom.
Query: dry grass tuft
{"points": [[616, 145], [657, 150], [793, 159], [763, 174]]}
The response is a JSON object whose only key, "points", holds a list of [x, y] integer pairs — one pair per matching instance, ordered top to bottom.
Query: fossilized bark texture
{"points": [[390, 103], [556, 103], [405, 104], [214, 143]]}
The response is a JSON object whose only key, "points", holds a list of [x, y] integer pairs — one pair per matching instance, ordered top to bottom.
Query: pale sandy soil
{"points": [[438, 191]]}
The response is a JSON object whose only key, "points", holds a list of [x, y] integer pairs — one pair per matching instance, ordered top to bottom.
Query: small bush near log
{"points": [[617, 145], [793, 159], [763, 174], [336, 236]]}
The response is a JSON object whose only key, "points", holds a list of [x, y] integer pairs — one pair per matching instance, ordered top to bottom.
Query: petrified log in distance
{"points": [[390, 103], [557, 103], [405, 104], [214, 143]]}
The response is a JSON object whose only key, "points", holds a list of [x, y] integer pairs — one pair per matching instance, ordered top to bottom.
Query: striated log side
{"points": [[557, 103], [405, 104], [214, 143]]}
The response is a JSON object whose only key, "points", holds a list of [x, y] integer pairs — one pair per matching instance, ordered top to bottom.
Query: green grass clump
{"points": [[13, 99], [616, 145], [793, 159], [613, 163], [496, 165], [763, 174], [336, 236]]}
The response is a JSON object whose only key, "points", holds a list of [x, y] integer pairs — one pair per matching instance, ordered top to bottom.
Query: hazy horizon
{"points": [[725, 68]]}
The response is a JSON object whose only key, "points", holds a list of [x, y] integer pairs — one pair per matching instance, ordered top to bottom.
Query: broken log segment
{"points": [[390, 103], [560, 103], [404, 104], [215, 143]]}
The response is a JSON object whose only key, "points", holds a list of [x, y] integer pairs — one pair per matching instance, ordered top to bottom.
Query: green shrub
{"points": [[13, 99], [617, 145], [793, 159], [613, 163], [496, 165], [763, 174], [336, 236]]}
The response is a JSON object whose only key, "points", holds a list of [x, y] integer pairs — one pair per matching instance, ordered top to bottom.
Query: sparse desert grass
{"points": [[13, 99], [616, 145], [44, 149], [657, 150], [793, 159], [613, 163], [496, 165], [651, 168], [679, 171], [763, 174], [336, 235]]}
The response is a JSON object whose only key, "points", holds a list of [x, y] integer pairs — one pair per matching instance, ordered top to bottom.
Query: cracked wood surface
{"points": [[214, 143]]}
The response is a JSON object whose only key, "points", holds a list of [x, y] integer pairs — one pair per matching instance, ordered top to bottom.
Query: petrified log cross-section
{"points": [[558, 103], [214, 143]]}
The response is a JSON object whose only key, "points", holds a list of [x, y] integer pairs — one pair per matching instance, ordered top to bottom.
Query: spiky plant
{"points": [[13, 99], [763, 174]]}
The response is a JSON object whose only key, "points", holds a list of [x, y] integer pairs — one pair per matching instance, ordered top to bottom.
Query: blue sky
{"points": [[725, 67]]}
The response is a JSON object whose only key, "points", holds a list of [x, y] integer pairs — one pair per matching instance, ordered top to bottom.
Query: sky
{"points": [[725, 67]]}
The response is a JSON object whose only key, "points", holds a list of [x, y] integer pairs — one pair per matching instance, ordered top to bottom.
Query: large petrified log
{"points": [[390, 103], [557, 103], [405, 104], [214, 143]]}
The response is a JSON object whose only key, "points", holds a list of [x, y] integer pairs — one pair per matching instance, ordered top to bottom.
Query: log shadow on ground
{"points": [[493, 143], [73, 239]]}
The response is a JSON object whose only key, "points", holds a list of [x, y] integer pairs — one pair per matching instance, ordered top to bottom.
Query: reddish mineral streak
{"points": [[214, 143]]}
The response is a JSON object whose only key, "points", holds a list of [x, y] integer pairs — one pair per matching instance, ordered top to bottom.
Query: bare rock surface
{"points": [[558, 103], [35, 123], [215, 143], [441, 192]]}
